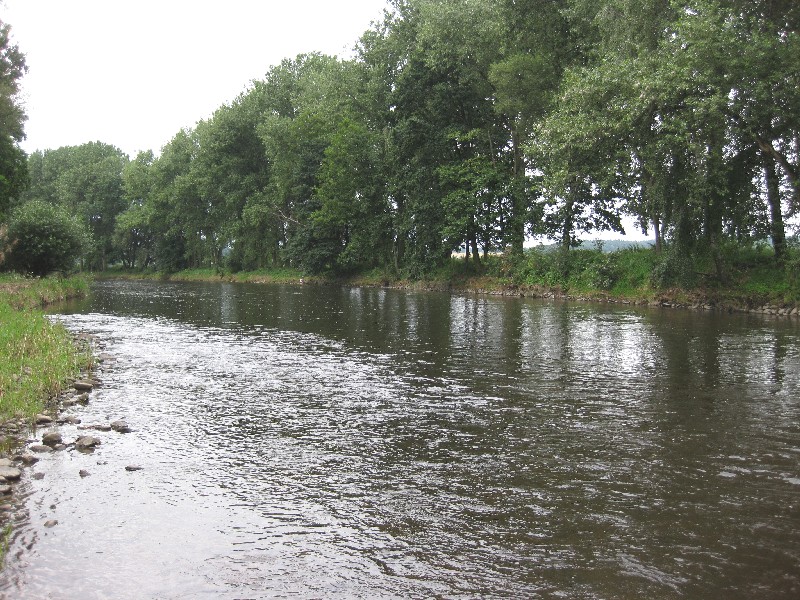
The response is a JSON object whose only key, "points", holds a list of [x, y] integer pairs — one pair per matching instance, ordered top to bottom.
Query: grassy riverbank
{"points": [[742, 279], [37, 357]]}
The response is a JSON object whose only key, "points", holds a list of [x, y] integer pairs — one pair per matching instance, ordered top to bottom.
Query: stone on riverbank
{"points": [[83, 385], [43, 419], [70, 420], [120, 426], [96, 427], [51, 438], [86, 442], [40, 448], [28, 459], [6, 462], [10, 473], [5, 489]]}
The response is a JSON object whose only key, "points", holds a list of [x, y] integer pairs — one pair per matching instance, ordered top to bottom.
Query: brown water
{"points": [[325, 442]]}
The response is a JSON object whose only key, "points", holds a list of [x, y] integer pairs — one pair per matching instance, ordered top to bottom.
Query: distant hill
{"points": [[607, 245]]}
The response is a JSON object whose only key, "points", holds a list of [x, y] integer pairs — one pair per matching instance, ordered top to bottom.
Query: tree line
{"points": [[467, 125]]}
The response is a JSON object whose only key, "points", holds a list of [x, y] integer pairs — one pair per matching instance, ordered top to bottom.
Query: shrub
{"points": [[41, 238]]}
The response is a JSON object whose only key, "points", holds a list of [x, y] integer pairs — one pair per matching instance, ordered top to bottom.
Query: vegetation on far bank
{"points": [[457, 124], [634, 274], [37, 357]]}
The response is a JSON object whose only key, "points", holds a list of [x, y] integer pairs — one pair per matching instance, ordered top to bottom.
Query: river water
{"points": [[328, 442]]}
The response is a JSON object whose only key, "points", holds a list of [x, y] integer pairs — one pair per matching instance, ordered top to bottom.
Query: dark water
{"points": [[313, 442]]}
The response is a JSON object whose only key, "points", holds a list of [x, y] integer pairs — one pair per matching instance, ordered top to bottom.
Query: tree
{"points": [[308, 99], [13, 172], [87, 181], [176, 213], [353, 214], [133, 234], [42, 238]]}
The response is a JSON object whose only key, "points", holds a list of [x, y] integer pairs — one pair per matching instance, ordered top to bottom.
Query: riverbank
{"points": [[752, 282], [37, 357], [39, 360]]}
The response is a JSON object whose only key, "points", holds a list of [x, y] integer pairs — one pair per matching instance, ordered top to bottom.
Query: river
{"points": [[333, 442]]}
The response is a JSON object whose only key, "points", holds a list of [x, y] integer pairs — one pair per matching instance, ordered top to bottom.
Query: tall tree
{"points": [[13, 168], [87, 180]]}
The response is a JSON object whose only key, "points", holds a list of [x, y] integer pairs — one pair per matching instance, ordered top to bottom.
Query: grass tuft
{"points": [[37, 357]]}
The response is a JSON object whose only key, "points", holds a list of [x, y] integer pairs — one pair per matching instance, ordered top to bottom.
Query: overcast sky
{"points": [[132, 73]]}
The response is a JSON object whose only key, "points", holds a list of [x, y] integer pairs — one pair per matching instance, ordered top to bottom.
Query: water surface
{"points": [[326, 442]]}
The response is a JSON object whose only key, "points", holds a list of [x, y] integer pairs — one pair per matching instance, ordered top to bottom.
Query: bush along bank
{"points": [[745, 279]]}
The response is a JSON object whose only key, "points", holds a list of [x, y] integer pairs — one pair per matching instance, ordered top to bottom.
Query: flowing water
{"points": [[327, 442]]}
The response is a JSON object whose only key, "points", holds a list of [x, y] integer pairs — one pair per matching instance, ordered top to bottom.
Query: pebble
{"points": [[120, 427], [51, 438], [86, 442], [40, 448], [28, 459], [133, 468], [10, 473], [83, 473], [38, 476], [51, 523]]}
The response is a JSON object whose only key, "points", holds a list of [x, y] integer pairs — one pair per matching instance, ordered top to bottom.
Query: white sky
{"points": [[132, 73]]}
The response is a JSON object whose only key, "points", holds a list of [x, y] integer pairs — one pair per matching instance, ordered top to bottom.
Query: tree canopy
{"points": [[462, 125], [13, 171]]}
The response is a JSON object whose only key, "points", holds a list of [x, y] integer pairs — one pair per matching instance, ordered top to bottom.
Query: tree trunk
{"points": [[518, 201], [566, 227], [777, 230], [657, 233], [476, 258]]}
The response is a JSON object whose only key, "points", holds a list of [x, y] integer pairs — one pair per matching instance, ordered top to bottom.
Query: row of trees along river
{"points": [[471, 124]]}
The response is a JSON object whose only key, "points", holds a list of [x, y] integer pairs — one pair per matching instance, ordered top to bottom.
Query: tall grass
{"points": [[24, 292], [37, 357]]}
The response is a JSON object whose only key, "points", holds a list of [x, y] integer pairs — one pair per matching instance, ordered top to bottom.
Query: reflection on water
{"points": [[331, 442]]}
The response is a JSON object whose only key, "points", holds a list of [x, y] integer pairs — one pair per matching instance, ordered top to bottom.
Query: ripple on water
{"points": [[584, 456]]}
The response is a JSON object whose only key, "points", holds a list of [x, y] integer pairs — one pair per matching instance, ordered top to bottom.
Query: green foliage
{"points": [[465, 125], [13, 167], [86, 181], [42, 238], [623, 272], [37, 357]]}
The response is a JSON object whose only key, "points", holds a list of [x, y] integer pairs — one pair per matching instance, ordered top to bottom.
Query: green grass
{"points": [[276, 275], [750, 275], [23, 292], [37, 357]]}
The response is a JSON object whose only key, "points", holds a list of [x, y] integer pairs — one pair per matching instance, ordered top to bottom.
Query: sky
{"points": [[133, 73]]}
